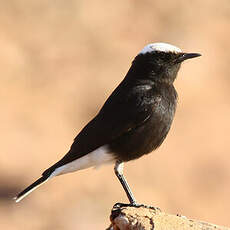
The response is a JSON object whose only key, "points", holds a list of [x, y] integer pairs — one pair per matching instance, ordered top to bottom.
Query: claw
{"points": [[122, 205]]}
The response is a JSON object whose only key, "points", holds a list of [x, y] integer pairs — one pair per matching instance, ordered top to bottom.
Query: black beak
{"points": [[185, 56]]}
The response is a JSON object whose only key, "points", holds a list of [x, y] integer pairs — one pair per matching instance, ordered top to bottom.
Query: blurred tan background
{"points": [[60, 60]]}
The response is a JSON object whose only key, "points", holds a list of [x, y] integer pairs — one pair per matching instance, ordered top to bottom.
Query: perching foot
{"points": [[122, 205]]}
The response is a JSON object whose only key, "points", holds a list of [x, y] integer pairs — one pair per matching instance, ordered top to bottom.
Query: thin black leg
{"points": [[118, 169]]}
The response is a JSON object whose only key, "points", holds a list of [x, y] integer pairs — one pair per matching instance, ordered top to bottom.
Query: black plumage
{"points": [[137, 116]]}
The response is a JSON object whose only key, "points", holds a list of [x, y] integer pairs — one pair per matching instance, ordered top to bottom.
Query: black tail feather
{"points": [[30, 188]]}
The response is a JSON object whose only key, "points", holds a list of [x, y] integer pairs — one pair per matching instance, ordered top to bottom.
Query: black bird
{"points": [[134, 120]]}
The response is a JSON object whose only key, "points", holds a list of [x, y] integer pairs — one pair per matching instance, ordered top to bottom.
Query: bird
{"points": [[134, 120]]}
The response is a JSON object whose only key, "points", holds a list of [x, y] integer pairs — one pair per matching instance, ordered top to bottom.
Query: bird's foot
{"points": [[122, 205]]}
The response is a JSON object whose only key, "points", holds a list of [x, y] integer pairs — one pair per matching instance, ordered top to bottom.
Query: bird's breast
{"points": [[152, 132]]}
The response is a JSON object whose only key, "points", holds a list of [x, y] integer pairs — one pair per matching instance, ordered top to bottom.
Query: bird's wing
{"points": [[122, 112]]}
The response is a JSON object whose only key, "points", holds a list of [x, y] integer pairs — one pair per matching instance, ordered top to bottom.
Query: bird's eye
{"points": [[163, 57]]}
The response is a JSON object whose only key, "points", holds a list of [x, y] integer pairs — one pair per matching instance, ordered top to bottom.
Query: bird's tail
{"points": [[31, 188]]}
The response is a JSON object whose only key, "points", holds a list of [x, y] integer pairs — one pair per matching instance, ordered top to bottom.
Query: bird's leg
{"points": [[118, 169]]}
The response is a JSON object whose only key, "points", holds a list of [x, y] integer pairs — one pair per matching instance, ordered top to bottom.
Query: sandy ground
{"points": [[60, 60]]}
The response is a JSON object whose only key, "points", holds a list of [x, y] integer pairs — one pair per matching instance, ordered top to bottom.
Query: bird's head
{"points": [[160, 62]]}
